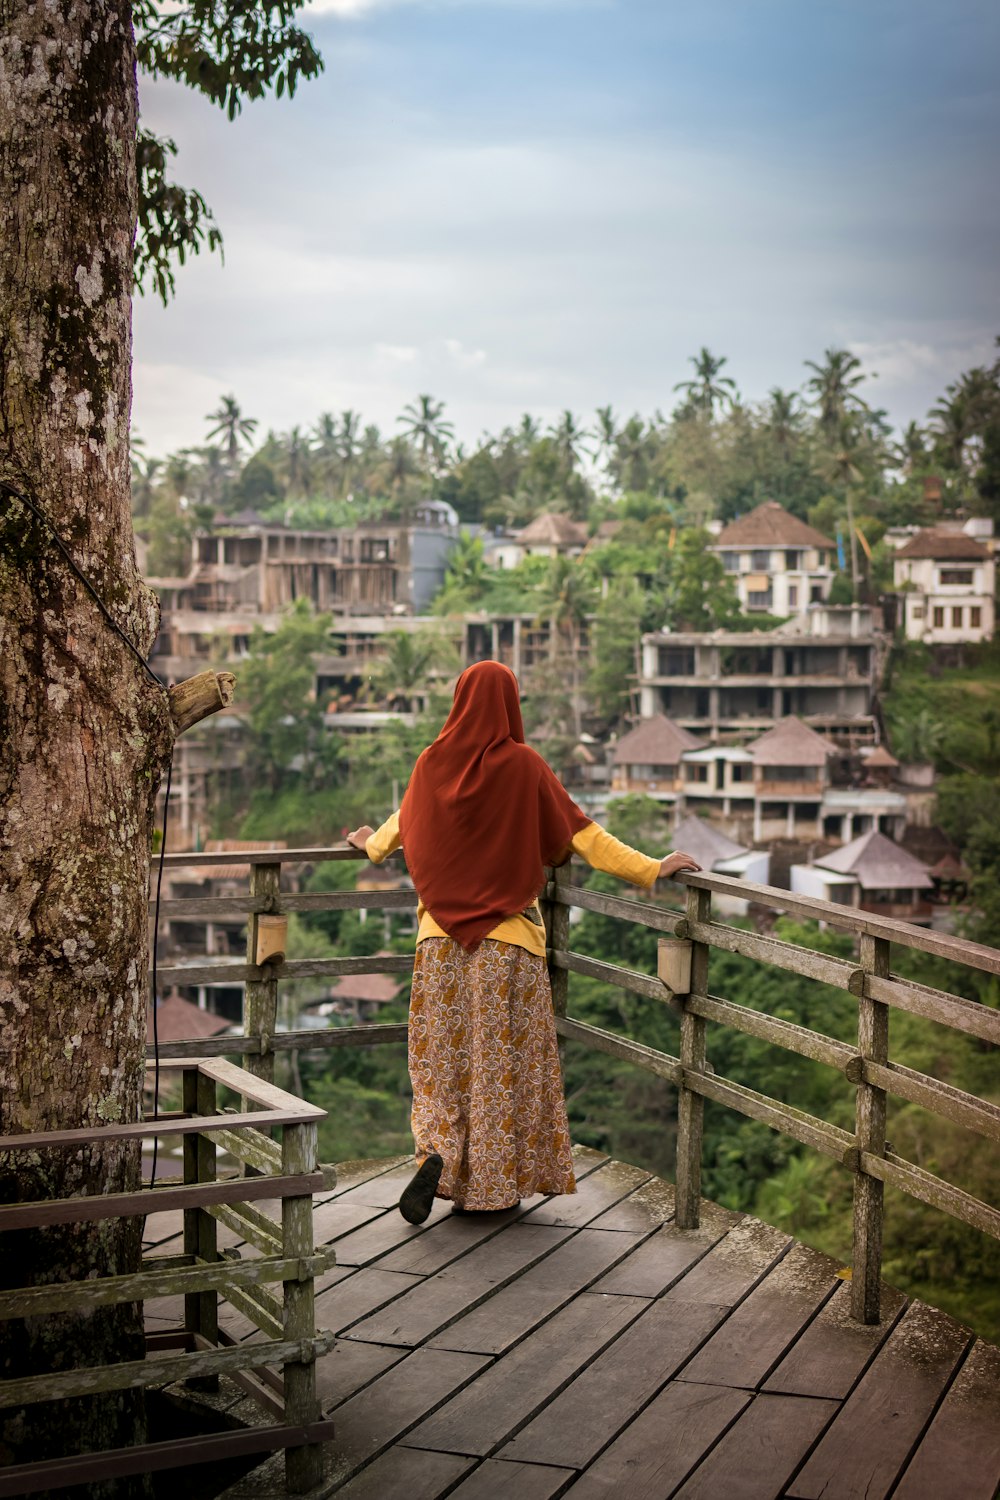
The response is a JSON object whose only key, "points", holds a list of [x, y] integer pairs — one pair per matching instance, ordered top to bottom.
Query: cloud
{"points": [[396, 354], [466, 359]]}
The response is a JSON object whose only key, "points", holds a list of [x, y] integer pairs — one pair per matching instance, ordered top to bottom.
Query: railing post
{"points": [[555, 914], [260, 1008], [691, 1106], [869, 1192], [201, 1309], [303, 1466]]}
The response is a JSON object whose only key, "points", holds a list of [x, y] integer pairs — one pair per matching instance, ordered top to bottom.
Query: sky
{"points": [[539, 205]]}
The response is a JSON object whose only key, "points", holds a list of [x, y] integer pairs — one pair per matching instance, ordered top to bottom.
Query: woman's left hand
{"points": [[359, 838]]}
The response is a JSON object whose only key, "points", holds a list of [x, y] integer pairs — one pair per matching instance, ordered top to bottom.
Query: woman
{"points": [[482, 816]]}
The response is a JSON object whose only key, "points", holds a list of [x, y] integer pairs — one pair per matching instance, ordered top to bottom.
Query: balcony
{"points": [[631, 1339]]}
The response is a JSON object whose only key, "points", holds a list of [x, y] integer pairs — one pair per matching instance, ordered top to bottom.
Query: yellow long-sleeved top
{"points": [[600, 849]]}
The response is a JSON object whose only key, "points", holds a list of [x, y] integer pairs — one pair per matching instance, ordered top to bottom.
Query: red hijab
{"points": [[483, 813]]}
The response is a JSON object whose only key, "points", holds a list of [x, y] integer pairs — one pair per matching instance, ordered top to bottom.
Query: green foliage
{"points": [[173, 222], [284, 720]]}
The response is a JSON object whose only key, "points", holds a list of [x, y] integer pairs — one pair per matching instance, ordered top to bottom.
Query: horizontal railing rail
{"points": [[687, 937]]}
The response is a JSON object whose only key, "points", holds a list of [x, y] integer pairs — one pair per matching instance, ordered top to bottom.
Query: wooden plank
{"points": [[262, 857], [405, 900], [639, 913], [555, 915], [891, 929], [792, 957], [296, 968], [646, 985], [937, 1005], [773, 1029], [373, 1034], [660, 1063], [260, 1090], [930, 1093], [690, 1104], [171, 1125], [869, 1126], [828, 1139], [253, 1147], [354, 1174], [601, 1190], [933, 1191], [122, 1205], [649, 1206], [335, 1219], [251, 1226], [387, 1232], [449, 1238], [666, 1256], [734, 1266], [147, 1285], [359, 1294], [447, 1295], [514, 1311], [265, 1315], [757, 1333], [829, 1356], [348, 1368], [131, 1374], [504, 1396], [601, 1401], [385, 1410], [964, 1437], [664, 1443], [868, 1444], [761, 1450], [303, 1466], [405, 1471], [497, 1480]]}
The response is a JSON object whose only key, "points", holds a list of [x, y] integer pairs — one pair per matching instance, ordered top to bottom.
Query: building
{"points": [[549, 535], [779, 564], [246, 566], [946, 580], [519, 641], [822, 667], [647, 760], [791, 776], [719, 855], [871, 873]]}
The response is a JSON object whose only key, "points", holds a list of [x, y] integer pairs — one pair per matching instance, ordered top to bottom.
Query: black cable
{"points": [[41, 516], [156, 997]]}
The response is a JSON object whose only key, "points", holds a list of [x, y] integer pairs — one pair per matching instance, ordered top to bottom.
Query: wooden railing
{"points": [[682, 981], [200, 1349]]}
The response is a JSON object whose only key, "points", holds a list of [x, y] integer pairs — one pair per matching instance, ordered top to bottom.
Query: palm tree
{"points": [[834, 386], [708, 389], [783, 417], [232, 426], [424, 426], [528, 432], [606, 432], [569, 439], [349, 445], [911, 450], [296, 462], [630, 462], [395, 474], [567, 600], [404, 669]]}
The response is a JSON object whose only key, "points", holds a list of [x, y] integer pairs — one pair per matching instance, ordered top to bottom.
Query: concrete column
{"points": [[495, 641], [517, 647], [776, 703], [757, 823], [790, 827]]}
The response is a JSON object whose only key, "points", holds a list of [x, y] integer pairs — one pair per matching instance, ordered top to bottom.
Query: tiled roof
{"points": [[771, 525], [554, 530], [946, 546], [657, 741], [790, 743], [880, 756], [705, 843], [878, 864], [378, 988], [178, 1020]]}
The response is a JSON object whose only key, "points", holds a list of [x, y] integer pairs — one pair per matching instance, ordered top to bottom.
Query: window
{"points": [[760, 559], [731, 562], [961, 576], [793, 596], [757, 599], [938, 617], [957, 618], [975, 618]]}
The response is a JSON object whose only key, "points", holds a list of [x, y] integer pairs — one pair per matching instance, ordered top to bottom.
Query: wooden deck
{"points": [[584, 1346]]}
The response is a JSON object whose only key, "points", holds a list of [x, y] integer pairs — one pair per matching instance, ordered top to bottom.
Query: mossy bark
{"points": [[84, 732]]}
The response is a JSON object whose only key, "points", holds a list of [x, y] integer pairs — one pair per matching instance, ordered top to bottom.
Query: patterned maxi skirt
{"points": [[484, 1065]]}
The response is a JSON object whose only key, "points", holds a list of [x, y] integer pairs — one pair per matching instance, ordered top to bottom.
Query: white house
{"points": [[548, 535], [780, 564], [947, 581], [871, 873]]}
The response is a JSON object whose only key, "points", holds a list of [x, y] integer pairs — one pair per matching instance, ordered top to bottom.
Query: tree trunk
{"points": [[84, 731]]}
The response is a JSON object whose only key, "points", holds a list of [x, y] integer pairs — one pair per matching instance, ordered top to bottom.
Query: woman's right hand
{"points": [[359, 838], [675, 862]]}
